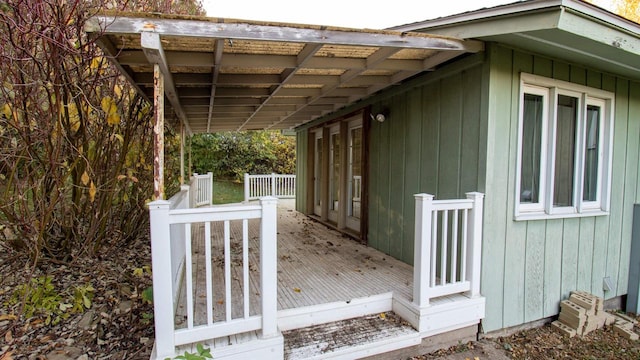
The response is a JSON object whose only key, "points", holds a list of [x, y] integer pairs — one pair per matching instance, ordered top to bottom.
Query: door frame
{"points": [[338, 219], [352, 222]]}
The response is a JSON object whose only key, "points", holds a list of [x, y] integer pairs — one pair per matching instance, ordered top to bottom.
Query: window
{"points": [[564, 154]]}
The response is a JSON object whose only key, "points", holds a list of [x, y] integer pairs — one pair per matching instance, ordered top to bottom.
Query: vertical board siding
{"points": [[429, 143], [412, 151], [397, 168], [497, 177], [618, 182], [630, 185], [303, 186], [384, 190], [373, 232], [535, 264], [515, 272], [552, 290]]}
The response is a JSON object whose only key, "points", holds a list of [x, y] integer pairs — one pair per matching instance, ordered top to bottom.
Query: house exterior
{"points": [[545, 122], [494, 152]]}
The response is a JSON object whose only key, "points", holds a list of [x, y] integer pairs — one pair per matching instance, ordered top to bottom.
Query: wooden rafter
{"points": [[152, 48], [240, 75], [214, 78]]}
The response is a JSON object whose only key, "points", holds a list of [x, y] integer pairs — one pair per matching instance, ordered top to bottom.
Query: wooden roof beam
{"points": [[281, 32], [152, 48], [113, 55], [303, 56], [217, 58], [373, 60]]}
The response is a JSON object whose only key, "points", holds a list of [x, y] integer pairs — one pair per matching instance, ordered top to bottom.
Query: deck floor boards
{"points": [[316, 265]]}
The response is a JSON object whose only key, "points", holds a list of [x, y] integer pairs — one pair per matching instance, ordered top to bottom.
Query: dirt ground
{"points": [[544, 343]]}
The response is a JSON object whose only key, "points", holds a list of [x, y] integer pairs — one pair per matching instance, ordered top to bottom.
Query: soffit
{"points": [[565, 29], [226, 74]]}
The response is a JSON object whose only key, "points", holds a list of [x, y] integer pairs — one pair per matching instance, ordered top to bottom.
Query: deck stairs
{"points": [[350, 339]]}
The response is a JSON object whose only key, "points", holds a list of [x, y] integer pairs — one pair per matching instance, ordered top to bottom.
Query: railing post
{"points": [[273, 185], [210, 187], [246, 187], [192, 191], [293, 193], [187, 198], [474, 247], [422, 250], [269, 264], [162, 280]]}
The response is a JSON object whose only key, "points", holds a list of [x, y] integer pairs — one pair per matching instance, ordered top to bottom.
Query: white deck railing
{"points": [[275, 185], [202, 189], [171, 244], [448, 245]]}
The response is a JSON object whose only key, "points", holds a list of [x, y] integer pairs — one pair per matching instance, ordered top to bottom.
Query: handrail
{"points": [[275, 185], [202, 189], [181, 228], [448, 245]]}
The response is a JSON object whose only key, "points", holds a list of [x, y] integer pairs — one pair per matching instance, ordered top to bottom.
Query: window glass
{"points": [[567, 116], [531, 148], [565, 149], [591, 153], [318, 171], [335, 171], [356, 171]]}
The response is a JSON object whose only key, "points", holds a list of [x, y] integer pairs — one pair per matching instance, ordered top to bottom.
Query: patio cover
{"points": [[226, 74]]}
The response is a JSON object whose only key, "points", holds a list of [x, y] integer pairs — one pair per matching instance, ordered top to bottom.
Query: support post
{"points": [[158, 133], [182, 139], [190, 168], [246, 187], [474, 247], [422, 250], [269, 263], [162, 280]]}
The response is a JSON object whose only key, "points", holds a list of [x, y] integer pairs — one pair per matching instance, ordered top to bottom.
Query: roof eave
{"points": [[526, 7]]}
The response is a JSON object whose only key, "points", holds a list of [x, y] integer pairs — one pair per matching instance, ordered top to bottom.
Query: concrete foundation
{"points": [[432, 343]]}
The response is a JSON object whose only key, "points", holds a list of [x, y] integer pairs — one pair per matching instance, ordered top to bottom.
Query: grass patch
{"points": [[227, 191]]}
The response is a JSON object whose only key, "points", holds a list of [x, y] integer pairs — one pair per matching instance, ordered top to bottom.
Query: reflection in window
{"points": [[567, 119], [531, 149], [355, 156], [318, 171], [335, 171], [590, 187]]}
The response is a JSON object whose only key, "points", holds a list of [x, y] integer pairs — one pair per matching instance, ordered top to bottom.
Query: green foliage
{"points": [[75, 137], [231, 154], [226, 191], [147, 295], [82, 297], [41, 299], [146, 318], [200, 354]]}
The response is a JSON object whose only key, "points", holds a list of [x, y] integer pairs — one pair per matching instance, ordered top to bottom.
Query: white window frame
{"points": [[549, 89]]}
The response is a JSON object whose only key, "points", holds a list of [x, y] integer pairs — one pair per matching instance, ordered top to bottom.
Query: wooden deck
{"points": [[316, 265], [324, 277]]}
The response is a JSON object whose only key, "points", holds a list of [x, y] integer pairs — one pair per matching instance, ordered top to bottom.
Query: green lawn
{"points": [[227, 191]]}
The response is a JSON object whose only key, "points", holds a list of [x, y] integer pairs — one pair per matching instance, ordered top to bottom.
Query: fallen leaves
{"points": [[297, 290], [115, 330]]}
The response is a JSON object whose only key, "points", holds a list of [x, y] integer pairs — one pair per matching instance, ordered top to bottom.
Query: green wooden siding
{"points": [[454, 131], [429, 144], [302, 170], [530, 266]]}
